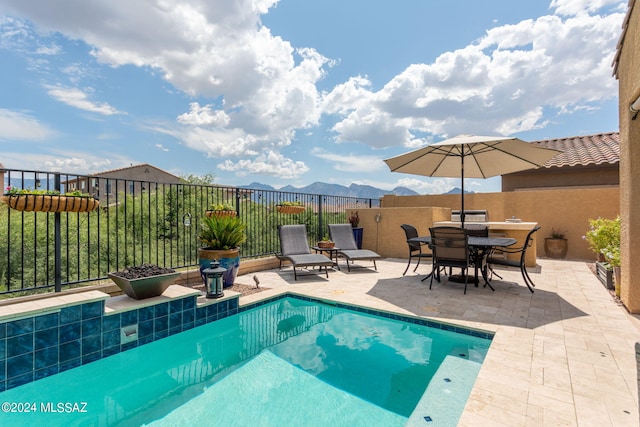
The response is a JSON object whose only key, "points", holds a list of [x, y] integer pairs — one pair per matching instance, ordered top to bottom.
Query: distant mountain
{"points": [[354, 190], [458, 190]]}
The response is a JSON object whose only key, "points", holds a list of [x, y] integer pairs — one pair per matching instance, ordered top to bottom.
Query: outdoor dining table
{"points": [[480, 248]]}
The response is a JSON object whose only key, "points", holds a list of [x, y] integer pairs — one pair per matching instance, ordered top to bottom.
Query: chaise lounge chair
{"points": [[342, 235], [294, 248]]}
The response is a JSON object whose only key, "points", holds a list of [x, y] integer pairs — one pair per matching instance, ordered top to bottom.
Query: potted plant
{"points": [[29, 200], [290, 207], [220, 209], [354, 220], [603, 237], [220, 239], [326, 243], [556, 245], [144, 281]]}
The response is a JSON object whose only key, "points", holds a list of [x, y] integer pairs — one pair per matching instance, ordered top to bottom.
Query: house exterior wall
{"points": [[629, 90], [570, 176], [568, 210]]}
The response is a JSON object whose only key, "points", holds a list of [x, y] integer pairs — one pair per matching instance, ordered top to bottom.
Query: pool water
{"points": [[288, 362]]}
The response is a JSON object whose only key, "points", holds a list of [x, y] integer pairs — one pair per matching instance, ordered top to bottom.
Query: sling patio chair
{"points": [[342, 235], [450, 246], [294, 247], [415, 248], [520, 263]]}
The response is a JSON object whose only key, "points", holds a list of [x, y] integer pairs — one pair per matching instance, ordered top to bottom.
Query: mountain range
{"points": [[354, 190]]}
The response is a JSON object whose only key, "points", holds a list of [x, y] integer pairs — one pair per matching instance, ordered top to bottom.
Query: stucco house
{"points": [[590, 161]]}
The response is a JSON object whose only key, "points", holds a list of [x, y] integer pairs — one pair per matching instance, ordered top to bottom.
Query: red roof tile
{"points": [[583, 150]]}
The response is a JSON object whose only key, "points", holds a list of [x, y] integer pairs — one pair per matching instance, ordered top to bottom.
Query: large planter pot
{"points": [[50, 203], [357, 235], [555, 248], [228, 259], [145, 287]]}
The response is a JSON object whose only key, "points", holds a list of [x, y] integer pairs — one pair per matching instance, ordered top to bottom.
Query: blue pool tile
{"points": [[189, 303], [233, 304], [175, 306], [223, 306], [92, 309], [161, 310], [212, 311], [145, 313], [201, 313], [70, 314], [188, 316], [129, 318], [175, 320], [47, 321], [201, 321], [111, 322], [161, 323], [188, 325], [19, 327], [91, 327], [145, 329], [3, 330], [175, 330], [70, 332], [160, 334], [46, 338], [111, 338], [145, 340], [91, 344], [19, 345], [129, 346], [3, 349], [69, 351], [110, 351], [92, 357], [45, 358], [69, 364], [19, 365], [3, 366], [45, 372], [19, 380], [3, 386]]}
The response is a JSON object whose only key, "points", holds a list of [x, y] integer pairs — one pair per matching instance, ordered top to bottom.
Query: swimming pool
{"points": [[287, 362]]}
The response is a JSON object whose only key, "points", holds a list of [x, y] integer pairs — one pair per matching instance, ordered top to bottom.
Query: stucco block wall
{"points": [[629, 90], [566, 210]]}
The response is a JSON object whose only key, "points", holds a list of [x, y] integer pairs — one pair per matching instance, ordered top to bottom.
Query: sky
{"points": [[290, 92]]}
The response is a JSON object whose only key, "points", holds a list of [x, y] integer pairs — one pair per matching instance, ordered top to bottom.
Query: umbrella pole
{"points": [[462, 190]]}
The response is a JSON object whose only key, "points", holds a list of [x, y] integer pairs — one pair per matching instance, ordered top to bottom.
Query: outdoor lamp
{"points": [[635, 108], [213, 280]]}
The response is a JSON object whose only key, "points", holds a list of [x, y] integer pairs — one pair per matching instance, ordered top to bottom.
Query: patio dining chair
{"points": [[342, 235], [450, 246], [294, 247], [415, 249], [520, 263]]}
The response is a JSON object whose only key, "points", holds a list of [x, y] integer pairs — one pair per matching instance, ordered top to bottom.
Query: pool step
{"points": [[446, 394]]}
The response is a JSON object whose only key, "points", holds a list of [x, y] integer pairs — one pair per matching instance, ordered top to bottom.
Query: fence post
{"points": [[320, 217], [57, 245]]}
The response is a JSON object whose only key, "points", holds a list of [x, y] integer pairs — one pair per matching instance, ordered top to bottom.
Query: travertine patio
{"points": [[563, 356]]}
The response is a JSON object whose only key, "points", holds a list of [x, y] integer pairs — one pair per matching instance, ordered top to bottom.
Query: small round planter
{"points": [[50, 203], [290, 209], [220, 213], [326, 245], [555, 248], [228, 259]]}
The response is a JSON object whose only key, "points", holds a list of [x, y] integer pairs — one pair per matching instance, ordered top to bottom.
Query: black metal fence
{"points": [[140, 222]]}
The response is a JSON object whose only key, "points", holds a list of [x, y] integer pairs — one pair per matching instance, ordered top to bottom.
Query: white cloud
{"points": [[500, 84], [78, 99], [18, 126], [162, 147], [66, 161], [351, 163], [272, 164]]}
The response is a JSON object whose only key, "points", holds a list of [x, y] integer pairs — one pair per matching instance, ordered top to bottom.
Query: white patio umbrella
{"points": [[472, 156]]}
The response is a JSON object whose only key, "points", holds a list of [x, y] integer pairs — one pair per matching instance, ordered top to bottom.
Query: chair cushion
{"points": [[360, 254], [308, 260]]}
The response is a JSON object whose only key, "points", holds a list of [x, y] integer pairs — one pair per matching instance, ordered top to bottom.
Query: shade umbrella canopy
{"points": [[472, 156]]}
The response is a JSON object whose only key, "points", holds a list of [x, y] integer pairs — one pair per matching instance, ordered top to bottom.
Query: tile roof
{"points": [[586, 150]]}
